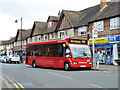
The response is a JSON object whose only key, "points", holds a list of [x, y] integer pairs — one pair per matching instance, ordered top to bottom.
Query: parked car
{"points": [[14, 58], [4, 59]]}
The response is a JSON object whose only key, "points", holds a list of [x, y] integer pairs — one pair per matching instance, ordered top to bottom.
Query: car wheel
{"points": [[10, 62], [18, 62], [34, 64], [67, 66]]}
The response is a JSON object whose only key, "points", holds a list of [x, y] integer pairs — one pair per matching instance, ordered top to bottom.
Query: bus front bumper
{"points": [[81, 65]]}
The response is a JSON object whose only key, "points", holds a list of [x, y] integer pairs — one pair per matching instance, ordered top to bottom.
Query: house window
{"points": [[115, 23], [49, 24], [98, 25], [82, 31], [70, 32], [61, 34], [52, 35], [45, 37], [39, 38], [33, 39], [29, 40], [24, 42], [14, 43], [18, 43], [11, 45]]}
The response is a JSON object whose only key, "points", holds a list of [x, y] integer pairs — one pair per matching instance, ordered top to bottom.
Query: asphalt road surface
{"points": [[24, 76]]}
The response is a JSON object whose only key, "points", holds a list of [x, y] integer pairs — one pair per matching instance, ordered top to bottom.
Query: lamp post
{"points": [[21, 34]]}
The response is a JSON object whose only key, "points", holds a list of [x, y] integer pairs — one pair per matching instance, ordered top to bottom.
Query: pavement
{"points": [[105, 67], [4, 83]]}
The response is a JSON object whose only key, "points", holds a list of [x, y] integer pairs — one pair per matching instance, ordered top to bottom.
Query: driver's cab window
{"points": [[67, 51]]}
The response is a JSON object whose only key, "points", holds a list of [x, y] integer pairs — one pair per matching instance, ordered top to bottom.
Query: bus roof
{"points": [[59, 41]]}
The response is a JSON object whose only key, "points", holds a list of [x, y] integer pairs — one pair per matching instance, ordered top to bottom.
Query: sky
{"points": [[34, 10]]}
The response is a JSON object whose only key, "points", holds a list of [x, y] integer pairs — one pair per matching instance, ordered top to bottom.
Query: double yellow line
{"points": [[15, 83]]}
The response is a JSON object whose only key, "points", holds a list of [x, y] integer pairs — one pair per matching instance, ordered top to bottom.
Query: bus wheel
{"points": [[34, 64], [67, 66]]}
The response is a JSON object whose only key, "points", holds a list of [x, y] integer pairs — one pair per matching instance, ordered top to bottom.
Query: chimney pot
{"points": [[103, 3]]}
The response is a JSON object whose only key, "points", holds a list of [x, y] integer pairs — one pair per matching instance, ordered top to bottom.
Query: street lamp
{"points": [[16, 21]]}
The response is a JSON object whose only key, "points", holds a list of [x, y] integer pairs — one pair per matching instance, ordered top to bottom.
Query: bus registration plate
{"points": [[83, 66]]}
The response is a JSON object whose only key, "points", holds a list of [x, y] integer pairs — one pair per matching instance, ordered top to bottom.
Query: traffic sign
{"points": [[95, 31]]}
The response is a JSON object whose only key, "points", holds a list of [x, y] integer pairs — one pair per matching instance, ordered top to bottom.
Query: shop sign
{"points": [[117, 37], [111, 38], [99, 41], [1, 48]]}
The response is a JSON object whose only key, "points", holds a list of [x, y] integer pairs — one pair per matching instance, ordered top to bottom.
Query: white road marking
{"points": [[106, 71], [60, 75], [96, 86]]}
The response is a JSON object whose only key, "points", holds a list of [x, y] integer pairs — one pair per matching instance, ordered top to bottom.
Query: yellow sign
{"points": [[99, 41], [0, 48]]}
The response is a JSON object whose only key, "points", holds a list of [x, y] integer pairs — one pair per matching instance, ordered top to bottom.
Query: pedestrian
{"points": [[97, 56]]}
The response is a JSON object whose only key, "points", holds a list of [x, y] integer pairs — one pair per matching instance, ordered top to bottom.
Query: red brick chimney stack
{"points": [[103, 3]]}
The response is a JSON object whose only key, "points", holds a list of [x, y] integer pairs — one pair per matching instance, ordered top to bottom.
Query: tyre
{"points": [[10, 62], [18, 62], [34, 64], [67, 66]]}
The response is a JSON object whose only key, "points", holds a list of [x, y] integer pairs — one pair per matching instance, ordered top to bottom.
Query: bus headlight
{"points": [[88, 60], [74, 62]]}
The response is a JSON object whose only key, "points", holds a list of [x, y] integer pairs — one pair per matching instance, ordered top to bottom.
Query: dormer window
{"points": [[49, 24]]}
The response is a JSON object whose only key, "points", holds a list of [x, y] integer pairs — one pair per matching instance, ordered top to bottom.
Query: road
{"points": [[24, 76]]}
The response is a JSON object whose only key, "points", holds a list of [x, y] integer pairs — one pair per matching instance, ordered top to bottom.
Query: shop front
{"points": [[105, 46], [105, 49]]}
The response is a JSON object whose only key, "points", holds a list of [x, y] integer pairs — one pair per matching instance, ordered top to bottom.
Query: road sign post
{"points": [[94, 34], [93, 48]]}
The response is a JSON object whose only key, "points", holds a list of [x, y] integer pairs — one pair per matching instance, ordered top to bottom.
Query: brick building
{"points": [[105, 17]]}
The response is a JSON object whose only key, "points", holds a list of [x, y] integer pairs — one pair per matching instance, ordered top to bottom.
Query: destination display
{"points": [[77, 41]]}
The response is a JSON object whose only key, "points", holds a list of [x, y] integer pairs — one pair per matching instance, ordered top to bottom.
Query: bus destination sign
{"points": [[77, 41]]}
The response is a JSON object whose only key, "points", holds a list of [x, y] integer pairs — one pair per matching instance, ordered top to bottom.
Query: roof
{"points": [[112, 10], [83, 17], [53, 18], [79, 18], [41, 28], [25, 33]]}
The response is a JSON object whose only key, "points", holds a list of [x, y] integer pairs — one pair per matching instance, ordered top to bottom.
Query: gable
{"points": [[64, 23]]}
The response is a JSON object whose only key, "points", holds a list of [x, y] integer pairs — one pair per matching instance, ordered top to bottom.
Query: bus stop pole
{"points": [[93, 48]]}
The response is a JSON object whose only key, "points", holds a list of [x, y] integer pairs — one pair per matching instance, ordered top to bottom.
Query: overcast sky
{"points": [[34, 10]]}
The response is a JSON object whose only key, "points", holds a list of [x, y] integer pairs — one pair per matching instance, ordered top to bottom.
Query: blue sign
{"points": [[117, 37], [111, 38]]}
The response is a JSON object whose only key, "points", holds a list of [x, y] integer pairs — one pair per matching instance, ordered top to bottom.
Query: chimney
{"points": [[103, 3], [59, 14]]}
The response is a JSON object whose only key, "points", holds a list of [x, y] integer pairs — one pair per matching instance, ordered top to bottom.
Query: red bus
{"points": [[67, 53]]}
